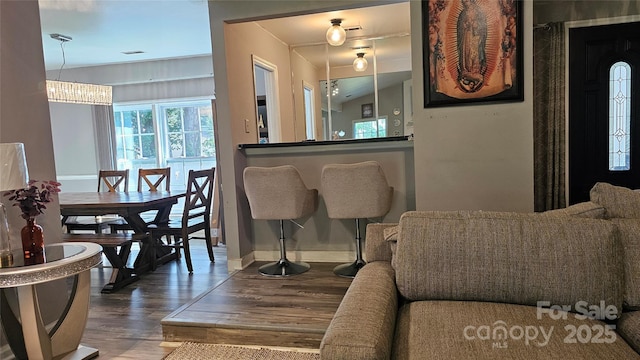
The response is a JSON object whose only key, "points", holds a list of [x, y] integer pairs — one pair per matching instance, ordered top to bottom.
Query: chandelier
{"points": [[73, 92], [79, 93]]}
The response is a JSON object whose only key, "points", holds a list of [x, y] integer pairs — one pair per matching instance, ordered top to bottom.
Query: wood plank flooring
{"points": [[251, 309], [127, 324]]}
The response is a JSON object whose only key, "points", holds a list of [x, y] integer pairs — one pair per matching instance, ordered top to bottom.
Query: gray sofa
{"points": [[490, 285]]}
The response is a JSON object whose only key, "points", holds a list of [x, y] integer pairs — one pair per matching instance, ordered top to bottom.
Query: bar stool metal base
{"points": [[283, 267], [349, 270]]}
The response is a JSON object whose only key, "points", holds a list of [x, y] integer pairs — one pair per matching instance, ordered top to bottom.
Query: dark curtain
{"points": [[549, 122]]}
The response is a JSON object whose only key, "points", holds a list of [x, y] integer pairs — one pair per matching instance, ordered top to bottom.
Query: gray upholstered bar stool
{"points": [[355, 191], [278, 193]]}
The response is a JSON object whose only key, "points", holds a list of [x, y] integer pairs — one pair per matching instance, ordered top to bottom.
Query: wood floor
{"points": [[250, 309], [127, 324]]}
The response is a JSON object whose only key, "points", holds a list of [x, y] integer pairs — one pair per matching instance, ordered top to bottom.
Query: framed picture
{"points": [[472, 51], [367, 110]]}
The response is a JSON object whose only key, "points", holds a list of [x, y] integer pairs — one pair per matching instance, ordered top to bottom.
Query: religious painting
{"points": [[472, 51]]}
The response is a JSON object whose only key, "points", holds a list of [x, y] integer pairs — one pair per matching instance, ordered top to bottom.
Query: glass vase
{"points": [[32, 242]]}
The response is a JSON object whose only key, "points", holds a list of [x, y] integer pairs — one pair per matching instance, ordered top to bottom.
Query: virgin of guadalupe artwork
{"points": [[471, 41], [472, 51]]}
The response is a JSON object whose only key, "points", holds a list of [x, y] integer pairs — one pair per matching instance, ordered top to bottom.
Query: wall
{"points": [[244, 41], [305, 73], [24, 109], [24, 117], [75, 155], [473, 157]]}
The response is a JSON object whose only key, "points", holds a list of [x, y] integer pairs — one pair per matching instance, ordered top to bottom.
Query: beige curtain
{"points": [[549, 117], [105, 136]]}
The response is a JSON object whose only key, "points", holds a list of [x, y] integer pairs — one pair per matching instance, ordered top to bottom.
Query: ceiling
{"points": [[102, 31]]}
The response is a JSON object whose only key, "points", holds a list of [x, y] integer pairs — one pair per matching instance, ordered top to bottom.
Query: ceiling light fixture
{"points": [[336, 35], [360, 63], [73, 92]]}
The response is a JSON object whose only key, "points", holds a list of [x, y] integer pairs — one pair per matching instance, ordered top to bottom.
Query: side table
{"points": [[29, 338]]}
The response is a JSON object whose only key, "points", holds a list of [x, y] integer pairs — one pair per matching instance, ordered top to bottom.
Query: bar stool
{"points": [[355, 191], [278, 193]]}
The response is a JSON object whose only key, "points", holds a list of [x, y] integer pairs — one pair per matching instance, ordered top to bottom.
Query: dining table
{"points": [[129, 205]]}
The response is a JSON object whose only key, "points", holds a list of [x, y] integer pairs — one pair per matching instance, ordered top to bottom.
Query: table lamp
{"points": [[13, 175]]}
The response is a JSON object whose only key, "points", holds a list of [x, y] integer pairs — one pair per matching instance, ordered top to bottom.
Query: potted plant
{"points": [[32, 202]]}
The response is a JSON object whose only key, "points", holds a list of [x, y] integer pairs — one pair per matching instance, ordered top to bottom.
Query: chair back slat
{"points": [[152, 179], [113, 180], [199, 195]]}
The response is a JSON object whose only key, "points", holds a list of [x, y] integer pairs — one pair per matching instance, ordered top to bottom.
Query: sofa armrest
{"points": [[376, 247], [364, 324], [629, 328]]}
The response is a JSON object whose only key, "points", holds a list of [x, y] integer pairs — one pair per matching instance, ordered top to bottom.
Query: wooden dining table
{"points": [[129, 205]]}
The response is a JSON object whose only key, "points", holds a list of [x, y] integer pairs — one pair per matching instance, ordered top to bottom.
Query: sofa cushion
{"points": [[619, 202], [587, 209], [630, 238], [508, 257], [476, 330]]}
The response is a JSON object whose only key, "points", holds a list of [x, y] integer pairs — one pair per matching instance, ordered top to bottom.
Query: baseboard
{"points": [[240, 264]]}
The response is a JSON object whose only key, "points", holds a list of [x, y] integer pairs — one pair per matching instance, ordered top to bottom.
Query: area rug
{"points": [[199, 351]]}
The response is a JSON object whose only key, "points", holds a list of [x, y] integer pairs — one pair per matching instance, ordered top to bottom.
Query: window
{"points": [[620, 117], [366, 129], [179, 135], [135, 136]]}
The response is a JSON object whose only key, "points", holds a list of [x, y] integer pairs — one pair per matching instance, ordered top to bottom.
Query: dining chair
{"points": [[153, 179], [113, 180], [148, 180], [108, 181], [196, 218]]}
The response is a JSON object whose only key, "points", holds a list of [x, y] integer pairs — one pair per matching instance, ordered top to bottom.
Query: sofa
{"points": [[564, 284]]}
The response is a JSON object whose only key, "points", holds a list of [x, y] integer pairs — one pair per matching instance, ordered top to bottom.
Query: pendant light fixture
{"points": [[336, 35], [360, 63], [73, 92]]}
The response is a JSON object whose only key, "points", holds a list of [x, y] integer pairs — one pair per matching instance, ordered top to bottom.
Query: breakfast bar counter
{"points": [[322, 239]]}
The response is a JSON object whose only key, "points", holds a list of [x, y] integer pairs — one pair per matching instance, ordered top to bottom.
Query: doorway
{"points": [[265, 77], [604, 103], [309, 111]]}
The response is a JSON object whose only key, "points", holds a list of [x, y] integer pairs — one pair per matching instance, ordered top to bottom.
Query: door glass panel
{"points": [[620, 117]]}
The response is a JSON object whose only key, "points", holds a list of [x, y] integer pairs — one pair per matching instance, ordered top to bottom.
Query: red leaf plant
{"points": [[33, 198]]}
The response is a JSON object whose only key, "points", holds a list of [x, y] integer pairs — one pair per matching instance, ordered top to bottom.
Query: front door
{"points": [[604, 105]]}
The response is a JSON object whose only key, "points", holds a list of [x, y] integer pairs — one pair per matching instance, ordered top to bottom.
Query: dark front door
{"points": [[604, 105]]}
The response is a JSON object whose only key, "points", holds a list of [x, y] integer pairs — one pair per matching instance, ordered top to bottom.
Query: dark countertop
{"points": [[326, 142]]}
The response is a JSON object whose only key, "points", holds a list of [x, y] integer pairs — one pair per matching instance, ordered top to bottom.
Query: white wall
{"points": [[74, 146]]}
